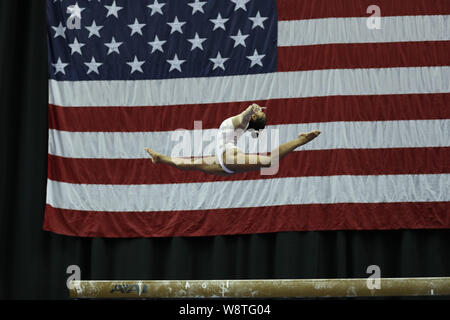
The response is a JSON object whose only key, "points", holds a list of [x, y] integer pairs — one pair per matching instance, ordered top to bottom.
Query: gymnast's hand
{"points": [[256, 108]]}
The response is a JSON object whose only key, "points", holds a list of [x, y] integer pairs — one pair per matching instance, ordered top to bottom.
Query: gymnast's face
{"points": [[259, 116], [257, 123]]}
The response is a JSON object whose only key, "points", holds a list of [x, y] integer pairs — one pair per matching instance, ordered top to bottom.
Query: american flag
{"points": [[125, 75]]}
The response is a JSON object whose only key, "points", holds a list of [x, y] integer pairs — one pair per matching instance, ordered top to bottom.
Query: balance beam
{"points": [[278, 288]]}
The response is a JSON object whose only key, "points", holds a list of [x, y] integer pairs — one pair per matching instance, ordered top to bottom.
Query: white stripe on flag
{"points": [[355, 30], [277, 85], [336, 135], [228, 194]]}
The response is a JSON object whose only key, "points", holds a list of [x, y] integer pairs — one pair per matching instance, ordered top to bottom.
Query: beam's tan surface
{"points": [[288, 288]]}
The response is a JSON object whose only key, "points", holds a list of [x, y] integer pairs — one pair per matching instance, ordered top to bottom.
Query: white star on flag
{"points": [[240, 4], [197, 6], [156, 7], [113, 10], [75, 11], [258, 21], [219, 22], [176, 25], [136, 27], [94, 30], [60, 31], [239, 39], [197, 42], [157, 44], [76, 46], [113, 46], [256, 59], [218, 61], [175, 63], [136, 65], [59, 66], [93, 66]]}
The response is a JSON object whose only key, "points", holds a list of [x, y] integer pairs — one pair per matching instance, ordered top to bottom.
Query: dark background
{"points": [[33, 262]]}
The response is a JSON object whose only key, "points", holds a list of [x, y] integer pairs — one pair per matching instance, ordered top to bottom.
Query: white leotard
{"points": [[227, 137]]}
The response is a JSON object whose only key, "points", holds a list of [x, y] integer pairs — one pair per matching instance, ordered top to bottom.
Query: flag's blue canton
{"points": [[157, 39]]}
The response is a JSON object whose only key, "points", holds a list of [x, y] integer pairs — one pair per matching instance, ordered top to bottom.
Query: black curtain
{"points": [[33, 263]]}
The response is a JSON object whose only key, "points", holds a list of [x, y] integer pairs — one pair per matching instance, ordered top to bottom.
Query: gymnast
{"points": [[252, 119]]}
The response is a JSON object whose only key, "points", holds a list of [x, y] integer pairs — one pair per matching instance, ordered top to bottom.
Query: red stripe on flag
{"points": [[316, 9], [355, 55], [280, 111], [297, 164], [343, 216]]}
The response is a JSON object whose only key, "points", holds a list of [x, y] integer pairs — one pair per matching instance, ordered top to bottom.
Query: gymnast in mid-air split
{"points": [[229, 158]]}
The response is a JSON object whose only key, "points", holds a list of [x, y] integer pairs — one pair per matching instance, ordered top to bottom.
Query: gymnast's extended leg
{"points": [[241, 162], [204, 164]]}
